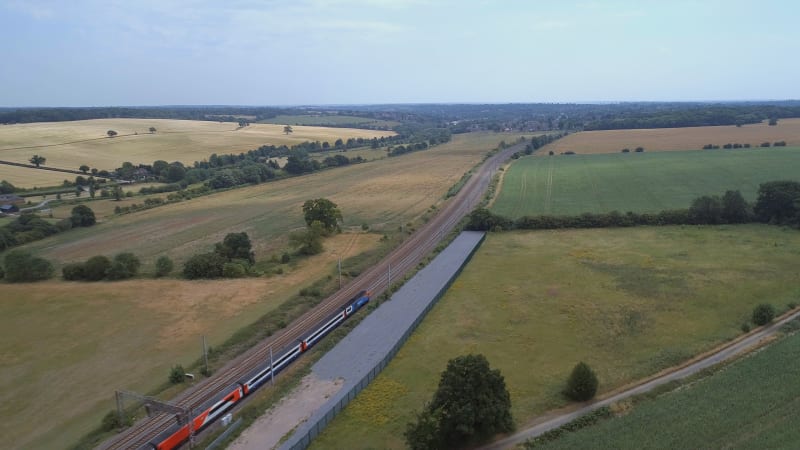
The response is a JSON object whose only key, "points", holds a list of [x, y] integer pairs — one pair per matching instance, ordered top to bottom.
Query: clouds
{"points": [[377, 51]]}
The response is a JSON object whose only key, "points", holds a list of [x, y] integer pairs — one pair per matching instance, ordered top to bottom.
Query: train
{"points": [[230, 396]]}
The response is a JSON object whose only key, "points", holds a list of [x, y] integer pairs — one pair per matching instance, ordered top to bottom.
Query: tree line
{"points": [[778, 203], [29, 227]]}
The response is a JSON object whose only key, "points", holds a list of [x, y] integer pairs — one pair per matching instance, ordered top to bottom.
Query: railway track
{"points": [[378, 278]]}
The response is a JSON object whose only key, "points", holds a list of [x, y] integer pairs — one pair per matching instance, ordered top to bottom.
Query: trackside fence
{"points": [[303, 441]]}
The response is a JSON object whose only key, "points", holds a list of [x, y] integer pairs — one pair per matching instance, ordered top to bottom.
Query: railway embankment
{"points": [[366, 350]]}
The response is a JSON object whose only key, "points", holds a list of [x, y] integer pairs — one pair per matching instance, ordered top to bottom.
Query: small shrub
{"points": [[364, 226], [285, 258], [164, 266], [96, 268], [233, 270], [73, 272], [790, 305], [763, 314], [745, 327], [177, 374], [582, 383], [111, 421]]}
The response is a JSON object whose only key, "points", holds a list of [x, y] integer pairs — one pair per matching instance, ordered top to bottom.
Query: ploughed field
{"points": [[689, 138], [69, 145], [639, 182], [629, 302], [750, 404]]}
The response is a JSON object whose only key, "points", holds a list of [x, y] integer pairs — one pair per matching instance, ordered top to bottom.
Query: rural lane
{"points": [[724, 353]]}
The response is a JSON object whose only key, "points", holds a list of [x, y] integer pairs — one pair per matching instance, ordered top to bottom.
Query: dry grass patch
{"points": [[665, 139], [384, 194], [74, 343]]}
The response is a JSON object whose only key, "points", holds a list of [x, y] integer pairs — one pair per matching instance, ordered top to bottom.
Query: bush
{"points": [[82, 216], [285, 258], [125, 265], [205, 265], [21, 266], [164, 266], [96, 268], [233, 270], [73, 272], [2, 273], [763, 314], [745, 327], [177, 374], [582, 383], [111, 421]]}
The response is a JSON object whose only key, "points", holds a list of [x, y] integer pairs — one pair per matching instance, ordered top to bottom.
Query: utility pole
{"points": [[340, 272], [205, 354], [271, 368]]}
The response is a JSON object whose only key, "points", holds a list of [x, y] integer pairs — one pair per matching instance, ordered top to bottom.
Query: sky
{"points": [[323, 52]]}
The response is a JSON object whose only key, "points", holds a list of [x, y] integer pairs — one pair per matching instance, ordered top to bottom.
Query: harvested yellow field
{"points": [[665, 139], [71, 144], [28, 178], [384, 194], [74, 343]]}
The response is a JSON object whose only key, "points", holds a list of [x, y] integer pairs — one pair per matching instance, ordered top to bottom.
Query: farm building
{"points": [[11, 199]]}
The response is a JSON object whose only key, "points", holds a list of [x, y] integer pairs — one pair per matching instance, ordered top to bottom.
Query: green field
{"points": [[325, 120], [639, 182], [629, 302], [751, 404]]}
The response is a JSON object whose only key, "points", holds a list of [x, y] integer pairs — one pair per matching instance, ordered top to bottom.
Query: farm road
{"points": [[717, 356]]}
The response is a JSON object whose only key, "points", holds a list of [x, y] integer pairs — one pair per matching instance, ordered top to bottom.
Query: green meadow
{"points": [[639, 182], [630, 302]]}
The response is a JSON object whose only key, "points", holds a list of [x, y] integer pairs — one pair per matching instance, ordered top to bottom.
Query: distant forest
{"points": [[457, 118]]}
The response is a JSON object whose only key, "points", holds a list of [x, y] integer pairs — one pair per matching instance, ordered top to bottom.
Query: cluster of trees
{"points": [[29, 115], [695, 115], [537, 142], [729, 146], [637, 150], [778, 203], [322, 218], [30, 227], [231, 258], [124, 265], [20, 266], [470, 405]]}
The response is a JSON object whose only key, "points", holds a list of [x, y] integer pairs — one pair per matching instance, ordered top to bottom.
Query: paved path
{"points": [[728, 351]]}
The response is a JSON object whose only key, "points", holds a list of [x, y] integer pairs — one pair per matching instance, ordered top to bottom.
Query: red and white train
{"points": [[216, 407]]}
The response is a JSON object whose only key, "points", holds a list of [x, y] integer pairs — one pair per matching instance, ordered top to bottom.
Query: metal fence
{"points": [[315, 429]]}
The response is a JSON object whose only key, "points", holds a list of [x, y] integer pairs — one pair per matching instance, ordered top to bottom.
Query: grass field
{"points": [[323, 120], [690, 138], [176, 140], [641, 182], [384, 194], [629, 302], [102, 334], [73, 344], [750, 404]]}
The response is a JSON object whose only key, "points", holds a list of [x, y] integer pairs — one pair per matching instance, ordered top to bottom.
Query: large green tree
{"points": [[37, 160], [778, 202], [734, 207], [706, 210], [323, 211], [82, 216], [236, 246], [582, 383], [470, 405]]}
